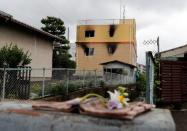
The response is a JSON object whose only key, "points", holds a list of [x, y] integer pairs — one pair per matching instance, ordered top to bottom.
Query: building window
{"points": [[112, 30], [89, 33], [111, 48], [89, 51]]}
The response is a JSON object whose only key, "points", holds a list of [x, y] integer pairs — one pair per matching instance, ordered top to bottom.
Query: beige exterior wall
{"points": [[124, 32], [124, 37], [39, 46], [178, 52], [101, 55]]}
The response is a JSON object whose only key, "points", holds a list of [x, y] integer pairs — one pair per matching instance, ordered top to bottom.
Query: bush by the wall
{"points": [[13, 56]]}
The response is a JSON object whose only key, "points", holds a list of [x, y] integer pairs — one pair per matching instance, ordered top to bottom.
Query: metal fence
{"points": [[25, 83]]}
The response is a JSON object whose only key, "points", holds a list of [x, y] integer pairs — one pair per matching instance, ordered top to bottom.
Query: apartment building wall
{"points": [[124, 37]]}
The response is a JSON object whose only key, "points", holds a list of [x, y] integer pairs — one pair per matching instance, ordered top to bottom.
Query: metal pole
{"points": [[120, 10], [68, 34], [158, 46], [111, 75], [83, 78], [95, 79], [4, 83], [43, 83], [67, 83]]}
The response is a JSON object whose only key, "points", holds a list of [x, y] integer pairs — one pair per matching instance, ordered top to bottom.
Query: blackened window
{"points": [[89, 33], [111, 48], [89, 51]]}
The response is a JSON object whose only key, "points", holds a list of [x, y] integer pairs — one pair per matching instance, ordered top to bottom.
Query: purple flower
{"points": [[112, 104]]}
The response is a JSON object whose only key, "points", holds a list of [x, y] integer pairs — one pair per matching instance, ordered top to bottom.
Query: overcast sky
{"points": [[164, 18]]}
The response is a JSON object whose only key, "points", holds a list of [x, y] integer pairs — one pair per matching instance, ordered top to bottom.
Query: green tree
{"points": [[14, 56], [61, 56], [62, 60], [141, 83]]}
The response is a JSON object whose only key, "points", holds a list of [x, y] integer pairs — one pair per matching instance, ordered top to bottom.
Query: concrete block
{"points": [[156, 120]]}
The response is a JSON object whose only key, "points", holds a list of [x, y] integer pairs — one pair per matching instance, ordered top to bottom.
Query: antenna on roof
{"points": [[120, 8], [124, 11]]}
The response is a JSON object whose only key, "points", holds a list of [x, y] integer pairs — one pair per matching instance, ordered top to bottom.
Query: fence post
{"points": [[111, 75], [95, 79], [121, 80], [67, 82], [83, 82], [4, 83], [43, 83]]}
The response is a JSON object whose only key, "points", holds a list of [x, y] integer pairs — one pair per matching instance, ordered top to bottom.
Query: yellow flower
{"points": [[121, 98]]}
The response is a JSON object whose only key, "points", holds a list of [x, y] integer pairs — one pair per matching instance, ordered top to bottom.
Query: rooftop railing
{"points": [[104, 21]]}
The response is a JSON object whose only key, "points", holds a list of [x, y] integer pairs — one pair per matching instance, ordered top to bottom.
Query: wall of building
{"points": [[124, 32], [124, 37], [39, 46], [178, 52], [101, 55]]}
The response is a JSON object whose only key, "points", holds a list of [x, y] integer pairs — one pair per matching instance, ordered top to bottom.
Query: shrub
{"points": [[14, 56], [102, 83], [36, 89], [56, 89]]}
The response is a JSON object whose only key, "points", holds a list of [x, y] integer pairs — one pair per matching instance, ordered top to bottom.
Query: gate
{"points": [[173, 81], [15, 83]]}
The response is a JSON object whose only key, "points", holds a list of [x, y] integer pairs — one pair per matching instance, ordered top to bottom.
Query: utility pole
{"points": [[120, 9], [124, 11], [68, 34], [158, 45]]}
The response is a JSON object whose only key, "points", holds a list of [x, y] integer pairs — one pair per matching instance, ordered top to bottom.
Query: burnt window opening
{"points": [[112, 30], [89, 33], [111, 48], [89, 51]]}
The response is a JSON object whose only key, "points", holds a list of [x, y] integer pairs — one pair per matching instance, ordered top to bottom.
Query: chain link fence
{"points": [[27, 83]]}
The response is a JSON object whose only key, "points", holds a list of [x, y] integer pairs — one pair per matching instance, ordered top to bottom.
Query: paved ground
{"points": [[180, 118]]}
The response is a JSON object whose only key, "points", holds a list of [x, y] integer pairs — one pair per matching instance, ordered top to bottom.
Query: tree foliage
{"points": [[56, 27], [13, 56], [61, 56], [62, 60], [141, 82], [157, 89]]}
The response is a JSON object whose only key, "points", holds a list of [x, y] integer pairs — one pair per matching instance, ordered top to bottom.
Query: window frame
{"points": [[89, 33], [90, 52]]}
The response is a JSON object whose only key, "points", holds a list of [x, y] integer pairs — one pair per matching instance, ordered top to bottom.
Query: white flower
{"points": [[117, 101]]}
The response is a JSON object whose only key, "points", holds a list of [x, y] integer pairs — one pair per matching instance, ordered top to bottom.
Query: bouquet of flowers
{"points": [[119, 99], [116, 106]]}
